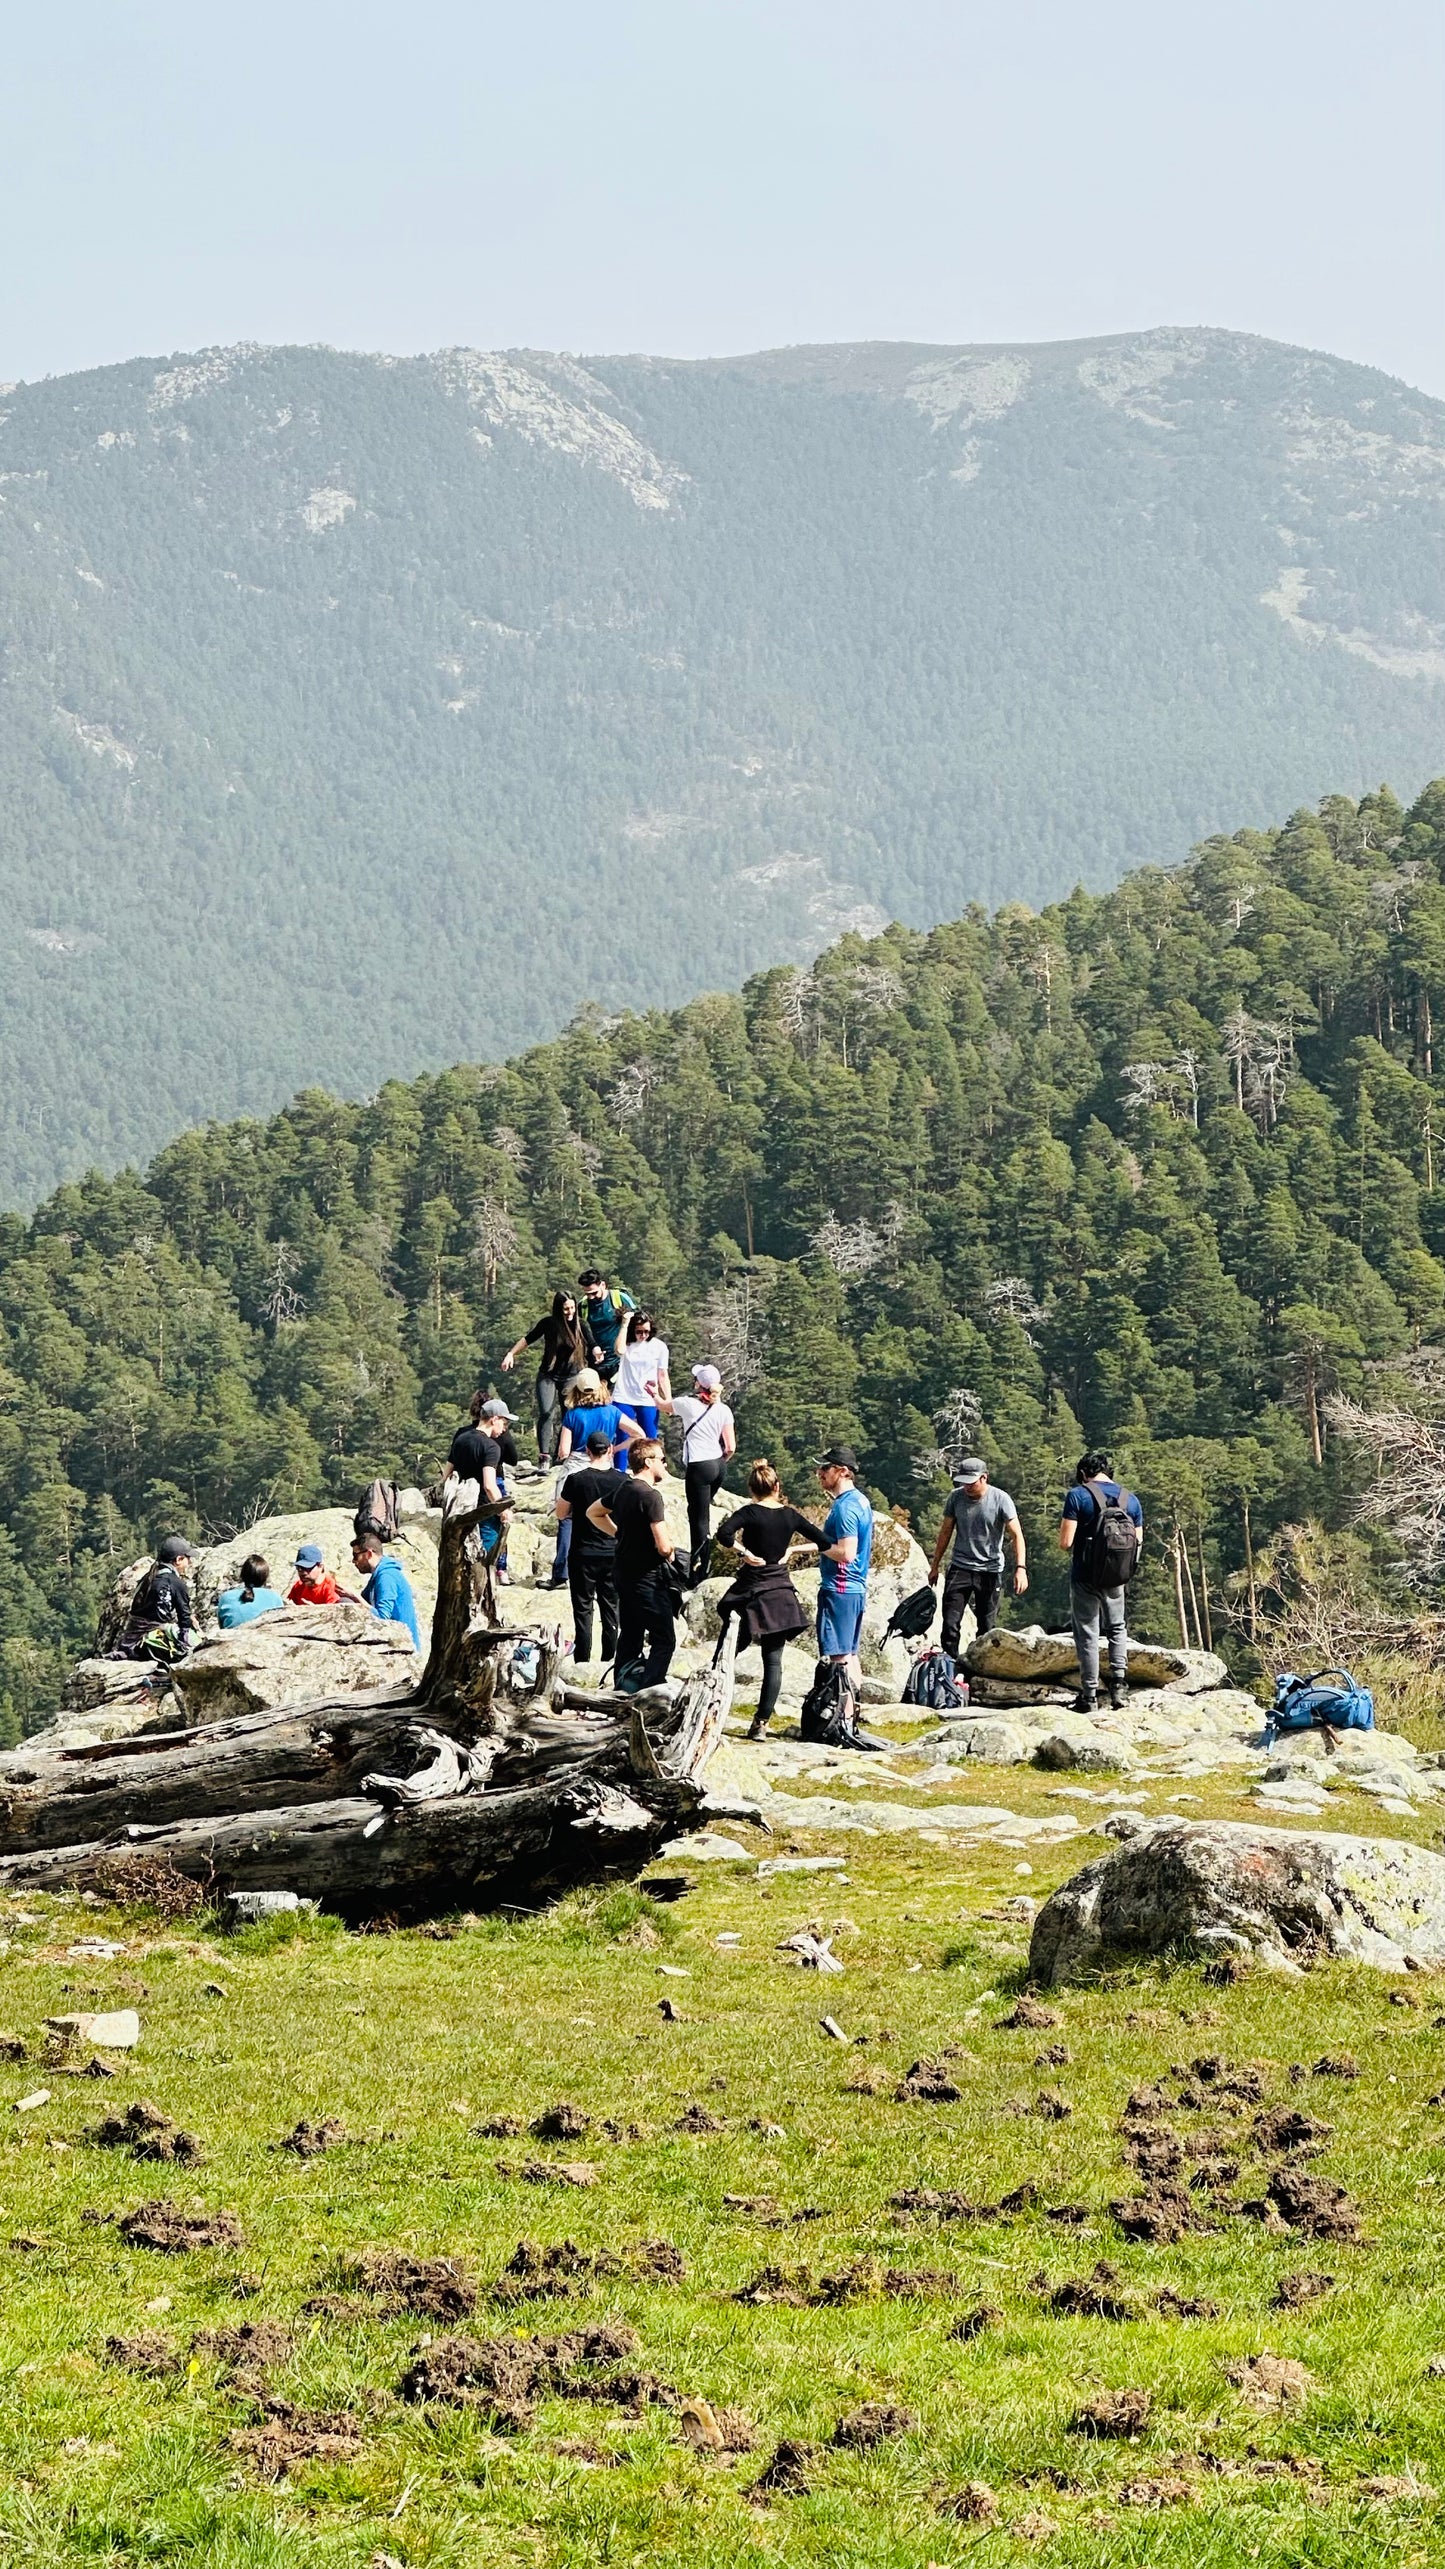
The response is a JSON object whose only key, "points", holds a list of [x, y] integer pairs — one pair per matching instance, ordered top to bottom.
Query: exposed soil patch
{"points": [[1031, 2015], [1336, 2065], [927, 2083], [697, 2119], [562, 2122], [500, 2127], [1286, 2127], [144, 2132], [310, 2140], [1315, 2205], [1161, 2216], [165, 2226], [563, 2271], [431, 2287], [1296, 2292], [1093, 2296], [1173, 2305], [973, 2323], [149, 2352], [249, 2352], [504, 2376], [1269, 2382], [1113, 2413], [865, 2428], [716, 2430], [291, 2435], [789, 2474], [974, 2503]]}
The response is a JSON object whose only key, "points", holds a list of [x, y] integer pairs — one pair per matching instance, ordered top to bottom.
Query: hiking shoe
{"points": [[1118, 1699], [1086, 1703], [758, 1726]]}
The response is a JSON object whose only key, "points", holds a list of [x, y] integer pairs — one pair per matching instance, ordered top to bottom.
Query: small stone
{"points": [[117, 2032]]}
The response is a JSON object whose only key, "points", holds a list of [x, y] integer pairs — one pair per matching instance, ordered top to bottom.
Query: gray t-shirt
{"points": [[978, 1526]]}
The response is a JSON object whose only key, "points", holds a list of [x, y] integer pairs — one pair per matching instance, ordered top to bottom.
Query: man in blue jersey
{"points": [[847, 1550], [388, 1589]]}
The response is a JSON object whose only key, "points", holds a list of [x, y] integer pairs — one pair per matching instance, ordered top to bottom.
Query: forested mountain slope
{"points": [[362, 714], [1162, 1166]]}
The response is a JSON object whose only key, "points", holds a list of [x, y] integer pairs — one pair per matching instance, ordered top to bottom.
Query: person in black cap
{"points": [[601, 1318], [979, 1518], [843, 1559], [161, 1624]]}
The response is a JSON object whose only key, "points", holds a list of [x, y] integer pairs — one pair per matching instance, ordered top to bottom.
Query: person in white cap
{"points": [[709, 1441], [478, 1453]]}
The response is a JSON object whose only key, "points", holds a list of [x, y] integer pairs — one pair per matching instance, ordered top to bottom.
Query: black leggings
{"points": [[700, 1480], [772, 1685]]}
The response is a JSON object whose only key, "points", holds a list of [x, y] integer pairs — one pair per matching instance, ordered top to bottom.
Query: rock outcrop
{"points": [[1026, 1658], [1220, 1885]]}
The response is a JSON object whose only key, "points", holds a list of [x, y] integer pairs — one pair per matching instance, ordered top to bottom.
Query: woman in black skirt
{"points": [[762, 1596]]}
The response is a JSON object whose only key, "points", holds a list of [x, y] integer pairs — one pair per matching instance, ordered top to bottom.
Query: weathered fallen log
{"points": [[413, 1798]]}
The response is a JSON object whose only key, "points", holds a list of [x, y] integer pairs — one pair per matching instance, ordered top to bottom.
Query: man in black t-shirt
{"points": [[637, 1516], [590, 1572]]}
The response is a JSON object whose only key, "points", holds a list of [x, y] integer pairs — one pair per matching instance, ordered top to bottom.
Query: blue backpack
{"points": [[935, 1685], [1330, 1700]]}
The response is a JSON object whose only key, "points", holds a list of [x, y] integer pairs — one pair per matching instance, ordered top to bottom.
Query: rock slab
{"points": [[1029, 1656], [1287, 1896]]}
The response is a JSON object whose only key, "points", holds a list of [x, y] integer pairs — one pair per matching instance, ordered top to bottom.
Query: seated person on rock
{"points": [[313, 1584], [388, 1589], [255, 1595], [161, 1624]]}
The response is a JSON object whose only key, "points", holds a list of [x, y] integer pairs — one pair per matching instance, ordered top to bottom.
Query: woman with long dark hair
{"points": [[564, 1353], [642, 1382], [254, 1595], [762, 1596]]}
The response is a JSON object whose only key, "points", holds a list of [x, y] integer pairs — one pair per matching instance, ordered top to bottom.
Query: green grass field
{"points": [[416, 2039]]}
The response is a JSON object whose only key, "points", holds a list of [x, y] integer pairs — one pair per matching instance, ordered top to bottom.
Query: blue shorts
{"points": [[643, 1413], [840, 1621]]}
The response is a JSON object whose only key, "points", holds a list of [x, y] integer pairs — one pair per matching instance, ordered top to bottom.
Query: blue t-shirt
{"points": [[583, 1421], [1080, 1505], [850, 1513], [388, 1593], [233, 1608]]}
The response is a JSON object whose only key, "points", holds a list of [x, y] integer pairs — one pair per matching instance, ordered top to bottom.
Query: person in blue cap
{"points": [[313, 1584]]}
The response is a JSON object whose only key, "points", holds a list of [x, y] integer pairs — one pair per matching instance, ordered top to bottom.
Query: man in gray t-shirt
{"points": [[980, 1519]]}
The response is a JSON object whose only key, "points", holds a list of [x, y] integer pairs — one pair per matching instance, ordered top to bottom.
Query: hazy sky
{"points": [[699, 176]]}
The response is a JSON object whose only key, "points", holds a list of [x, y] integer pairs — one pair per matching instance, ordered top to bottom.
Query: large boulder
{"points": [[1027, 1655], [294, 1656], [1287, 1896]]}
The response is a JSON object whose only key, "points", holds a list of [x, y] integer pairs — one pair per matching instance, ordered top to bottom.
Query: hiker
{"points": [[601, 1317], [564, 1353], [643, 1382], [587, 1407], [709, 1441], [480, 1453], [638, 1518], [980, 1519], [1103, 1532], [591, 1554], [843, 1558], [313, 1584], [388, 1589], [254, 1596], [763, 1597], [161, 1623]]}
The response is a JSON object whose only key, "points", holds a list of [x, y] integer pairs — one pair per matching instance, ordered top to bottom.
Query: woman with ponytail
{"points": [[253, 1596], [763, 1597]]}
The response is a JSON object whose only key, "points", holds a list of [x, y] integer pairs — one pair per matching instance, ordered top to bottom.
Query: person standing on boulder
{"points": [[600, 1314], [564, 1353], [709, 1441], [637, 1517], [981, 1519], [1103, 1533], [591, 1554], [843, 1558]]}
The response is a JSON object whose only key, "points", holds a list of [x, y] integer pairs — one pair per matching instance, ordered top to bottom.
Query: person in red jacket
{"points": [[313, 1584]]}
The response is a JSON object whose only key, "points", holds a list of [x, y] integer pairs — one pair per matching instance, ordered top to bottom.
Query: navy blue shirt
{"points": [[1082, 1506]]}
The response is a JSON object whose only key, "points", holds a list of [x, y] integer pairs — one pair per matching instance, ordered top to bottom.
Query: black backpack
{"points": [[1107, 1549], [913, 1616], [934, 1684], [830, 1707]]}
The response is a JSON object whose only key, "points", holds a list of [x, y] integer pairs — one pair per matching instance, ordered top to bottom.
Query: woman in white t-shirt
{"points": [[643, 1383], [708, 1444]]}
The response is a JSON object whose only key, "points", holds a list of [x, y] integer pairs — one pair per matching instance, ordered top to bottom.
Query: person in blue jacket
{"points": [[388, 1589], [254, 1595]]}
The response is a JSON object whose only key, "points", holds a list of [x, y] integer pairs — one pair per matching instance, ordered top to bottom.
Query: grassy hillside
{"points": [[362, 715], [1160, 1167]]}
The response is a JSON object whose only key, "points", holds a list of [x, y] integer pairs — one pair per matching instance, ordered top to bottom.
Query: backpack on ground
{"points": [[380, 1512], [1107, 1549], [913, 1615], [934, 1684], [1330, 1700], [830, 1707]]}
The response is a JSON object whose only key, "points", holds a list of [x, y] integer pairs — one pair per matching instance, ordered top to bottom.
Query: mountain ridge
{"points": [[333, 682]]}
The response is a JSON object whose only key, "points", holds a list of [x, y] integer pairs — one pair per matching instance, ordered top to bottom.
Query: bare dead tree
{"points": [[633, 1087], [495, 1239], [282, 1301], [732, 1326], [1406, 1493]]}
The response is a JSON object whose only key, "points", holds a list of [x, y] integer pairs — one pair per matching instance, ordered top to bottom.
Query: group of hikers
{"points": [[603, 1385]]}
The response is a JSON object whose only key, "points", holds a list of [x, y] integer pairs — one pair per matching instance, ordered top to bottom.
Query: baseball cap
{"points": [[708, 1377], [497, 1409], [842, 1457], [972, 1468], [176, 1547], [309, 1557]]}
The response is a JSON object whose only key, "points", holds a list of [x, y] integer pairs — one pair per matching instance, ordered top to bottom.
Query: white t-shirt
{"points": [[638, 1366], [703, 1423]]}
